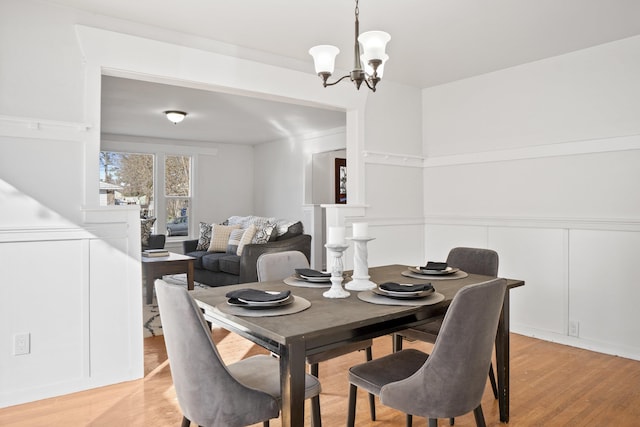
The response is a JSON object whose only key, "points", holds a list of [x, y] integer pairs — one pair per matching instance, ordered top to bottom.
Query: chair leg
{"points": [[397, 342], [492, 378], [372, 400], [315, 401], [477, 413], [351, 416], [316, 420], [409, 420], [452, 421], [185, 422], [433, 422], [265, 423]]}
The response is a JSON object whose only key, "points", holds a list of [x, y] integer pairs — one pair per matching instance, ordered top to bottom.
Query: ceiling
{"points": [[432, 41], [133, 107]]}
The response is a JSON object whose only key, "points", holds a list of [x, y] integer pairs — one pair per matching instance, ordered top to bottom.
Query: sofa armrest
{"points": [[156, 241], [189, 246], [251, 252]]}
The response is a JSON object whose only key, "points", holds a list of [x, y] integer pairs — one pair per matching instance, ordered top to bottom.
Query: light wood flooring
{"points": [[551, 385]]}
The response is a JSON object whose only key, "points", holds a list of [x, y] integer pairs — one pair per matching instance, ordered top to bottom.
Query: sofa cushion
{"points": [[146, 225], [220, 237], [204, 240], [198, 258], [211, 261], [230, 264]]}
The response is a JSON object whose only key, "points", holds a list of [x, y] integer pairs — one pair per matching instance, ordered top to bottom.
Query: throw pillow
{"points": [[146, 225], [292, 230], [263, 233], [220, 237], [247, 237], [204, 241], [234, 241]]}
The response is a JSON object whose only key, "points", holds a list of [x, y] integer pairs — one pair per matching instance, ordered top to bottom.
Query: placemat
{"points": [[457, 275], [293, 281], [369, 296], [299, 304]]}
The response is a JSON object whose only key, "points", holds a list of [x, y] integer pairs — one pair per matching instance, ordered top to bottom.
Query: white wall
{"points": [[49, 144], [540, 162], [324, 177]]}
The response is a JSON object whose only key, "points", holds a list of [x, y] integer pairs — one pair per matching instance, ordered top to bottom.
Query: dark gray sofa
{"points": [[220, 269]]}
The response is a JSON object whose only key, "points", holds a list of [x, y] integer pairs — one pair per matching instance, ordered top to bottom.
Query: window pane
{"points": [[177, 175], [127, 179], [177, 217]]}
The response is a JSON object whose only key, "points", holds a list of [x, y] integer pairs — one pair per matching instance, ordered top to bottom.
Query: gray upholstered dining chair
{"points": [[470, 260], [279, 266], [449, 382], [209, 392]]}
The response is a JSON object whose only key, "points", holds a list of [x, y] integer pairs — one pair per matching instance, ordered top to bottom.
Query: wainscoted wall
{"points": [[540, 162], [581, 284], [76, 292]]}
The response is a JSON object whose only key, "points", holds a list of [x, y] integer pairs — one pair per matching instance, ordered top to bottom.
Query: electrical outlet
{"points": [[574, 328], [21, 344]]}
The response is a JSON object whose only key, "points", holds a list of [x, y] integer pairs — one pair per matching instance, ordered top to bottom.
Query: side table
{"points": [[155, 267]]}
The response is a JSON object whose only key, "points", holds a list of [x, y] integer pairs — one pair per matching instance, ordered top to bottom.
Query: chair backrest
{"points": [[474, 260], [280, 265], [452, 380], [207, 392]]}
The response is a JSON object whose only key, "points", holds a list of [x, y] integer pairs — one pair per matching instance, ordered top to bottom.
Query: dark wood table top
{"points": [[330, 321]]}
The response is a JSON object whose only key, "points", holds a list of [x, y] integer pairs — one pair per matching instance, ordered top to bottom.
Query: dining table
{"points": [[322, 324]]}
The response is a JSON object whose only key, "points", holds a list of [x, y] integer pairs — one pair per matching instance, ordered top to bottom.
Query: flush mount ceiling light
{"points": [[373, 45], [175, 116]]}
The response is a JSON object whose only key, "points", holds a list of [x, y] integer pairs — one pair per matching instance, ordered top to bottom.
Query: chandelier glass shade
{"points": [[372, 55]]}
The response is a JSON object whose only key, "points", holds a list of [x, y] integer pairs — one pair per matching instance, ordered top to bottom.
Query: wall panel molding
{"points": [[38, 128], [571, 148], [605, 224]]}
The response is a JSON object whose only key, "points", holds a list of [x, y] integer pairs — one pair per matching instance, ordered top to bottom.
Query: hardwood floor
{"points": [[551, 385]]}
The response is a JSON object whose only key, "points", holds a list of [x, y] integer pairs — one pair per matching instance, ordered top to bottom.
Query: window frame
{"points": [[160, 152]]}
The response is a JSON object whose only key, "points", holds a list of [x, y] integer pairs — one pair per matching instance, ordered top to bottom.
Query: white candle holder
{"points": [[360, 278], [336, 290]]}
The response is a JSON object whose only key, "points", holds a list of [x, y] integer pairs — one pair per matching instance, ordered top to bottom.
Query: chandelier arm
{"points": [[337, 81], [373, 88]]}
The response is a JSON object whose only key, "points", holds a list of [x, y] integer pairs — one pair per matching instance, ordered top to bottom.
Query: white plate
{"points": [[448, 270], [313, 279], [403, 295], [234, 302], [266, 303]]}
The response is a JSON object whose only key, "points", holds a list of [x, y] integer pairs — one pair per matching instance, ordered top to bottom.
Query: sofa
{"points": [[227, 253]]}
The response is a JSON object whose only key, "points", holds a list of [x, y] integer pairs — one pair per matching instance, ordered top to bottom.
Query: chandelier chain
{"points": [[357, 9]]}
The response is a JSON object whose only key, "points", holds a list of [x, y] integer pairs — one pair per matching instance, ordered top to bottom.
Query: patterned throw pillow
{"points": [[146, 225], [220, 237], [247, 237], [204, 241]]}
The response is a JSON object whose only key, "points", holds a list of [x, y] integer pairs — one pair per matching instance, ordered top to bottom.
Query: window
{"points": [[133, 178], [127, 179], [177, 192]]}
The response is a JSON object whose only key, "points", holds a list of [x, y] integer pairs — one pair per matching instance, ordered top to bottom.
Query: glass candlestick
{"points": [[360, 278], [336, 290]]}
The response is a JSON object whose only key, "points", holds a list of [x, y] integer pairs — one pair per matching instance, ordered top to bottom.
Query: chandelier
{"points": [[373, 56]]}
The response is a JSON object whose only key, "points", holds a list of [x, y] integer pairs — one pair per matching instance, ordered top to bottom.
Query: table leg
{"points": [[190, 275], [149, 281], [502, 359], [292, 380]]}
